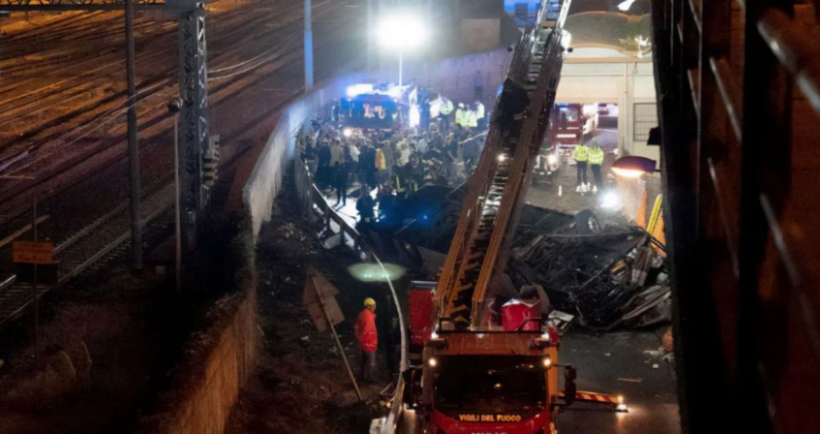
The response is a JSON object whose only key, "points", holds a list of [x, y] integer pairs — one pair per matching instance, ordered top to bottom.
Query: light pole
{"points": [[402, 32], [308, 47], [401, 67], [133, 143]]}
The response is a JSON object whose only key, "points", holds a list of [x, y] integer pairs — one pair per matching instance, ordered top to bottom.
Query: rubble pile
{"points": [[608, 276]]}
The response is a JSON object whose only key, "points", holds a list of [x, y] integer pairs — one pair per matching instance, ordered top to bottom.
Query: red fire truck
{"points": [[570, 123], [486, 362], [499, 379]]}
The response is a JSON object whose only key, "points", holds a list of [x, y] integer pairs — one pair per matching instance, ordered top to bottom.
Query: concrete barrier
{"points": [[266, 179]]}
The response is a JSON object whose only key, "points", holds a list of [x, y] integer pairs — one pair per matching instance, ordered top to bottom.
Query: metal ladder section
{"points": [[497, 189]]}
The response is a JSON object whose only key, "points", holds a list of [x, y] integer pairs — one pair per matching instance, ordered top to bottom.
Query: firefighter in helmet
{"points": [[368, 338]]}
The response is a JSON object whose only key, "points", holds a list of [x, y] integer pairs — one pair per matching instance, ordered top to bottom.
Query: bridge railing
{"points": [[740, 114]]}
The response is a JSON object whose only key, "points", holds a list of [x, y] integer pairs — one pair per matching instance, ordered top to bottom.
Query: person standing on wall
{"points": [[478, 85], [444, 112], [481, 115], [581, 156], [596, 159], [337, 160], [340, 174], [368, 338]]}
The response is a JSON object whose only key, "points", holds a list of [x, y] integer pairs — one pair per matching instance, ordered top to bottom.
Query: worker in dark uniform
{"points": [[478, 85], [512, 109], [367, 165], [323, 170], [340, 175], [365, 206], [368, 338]]}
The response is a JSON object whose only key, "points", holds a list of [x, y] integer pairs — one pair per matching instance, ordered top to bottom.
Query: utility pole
{"points": [[3, 14], [369, 35], [308, 48], [174, 107], [133, 144], [34, 291]]}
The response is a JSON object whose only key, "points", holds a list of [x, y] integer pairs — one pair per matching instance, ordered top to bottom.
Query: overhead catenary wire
{"points": [[264, 53], [250, 68], [164, 82], [106, 121]]}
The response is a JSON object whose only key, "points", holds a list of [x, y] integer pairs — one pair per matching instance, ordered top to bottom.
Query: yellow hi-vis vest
{"points": [[446, 107], [461, 117], [472, 119], [581, 153], [596, 156], [381, 161]]}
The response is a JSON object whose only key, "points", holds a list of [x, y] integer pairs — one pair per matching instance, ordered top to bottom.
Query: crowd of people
{"points": [[400, 160]]}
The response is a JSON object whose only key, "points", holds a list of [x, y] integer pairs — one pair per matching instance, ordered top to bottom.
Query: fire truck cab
{"points": [[570, 123], [500, 379], [490, 382]]}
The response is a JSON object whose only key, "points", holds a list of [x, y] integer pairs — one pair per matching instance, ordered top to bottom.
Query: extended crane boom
{"points": [[497, 189], [496, 374]]}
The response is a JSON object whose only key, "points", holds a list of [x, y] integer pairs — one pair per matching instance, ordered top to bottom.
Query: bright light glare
{"points": [[624, 6], [401, 32], [566, 40], [359, 89], [394, 91], [415, 116], [347, 132], [501, 158], [552, 158], [628, 173], [611, 200], [374, 273], [545, 336], [432, 362], [547, 362], [620, 399]]}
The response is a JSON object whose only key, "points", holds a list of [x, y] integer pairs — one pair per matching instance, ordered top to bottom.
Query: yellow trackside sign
{"points": [[31, 252]]}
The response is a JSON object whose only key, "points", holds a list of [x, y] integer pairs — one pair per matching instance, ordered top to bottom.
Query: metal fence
{"points": [[315, 206]]}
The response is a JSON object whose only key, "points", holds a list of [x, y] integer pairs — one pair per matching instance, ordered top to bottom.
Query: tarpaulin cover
{"points": [[515, 312]]}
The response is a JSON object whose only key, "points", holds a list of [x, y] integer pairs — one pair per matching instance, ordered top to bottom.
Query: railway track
{"points": [[66, 165], [86, 179], [90, 246]]}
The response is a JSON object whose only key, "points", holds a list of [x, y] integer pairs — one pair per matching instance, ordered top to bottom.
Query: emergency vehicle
{"points": [[570, 123], [488, 362]]}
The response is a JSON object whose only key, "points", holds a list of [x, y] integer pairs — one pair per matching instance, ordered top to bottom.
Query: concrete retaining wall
{"points": [[266, 179], [215, 369]]}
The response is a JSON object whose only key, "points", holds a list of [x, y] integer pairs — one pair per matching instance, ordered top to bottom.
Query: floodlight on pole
{"points": [[624, 6], [401, 33]]}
